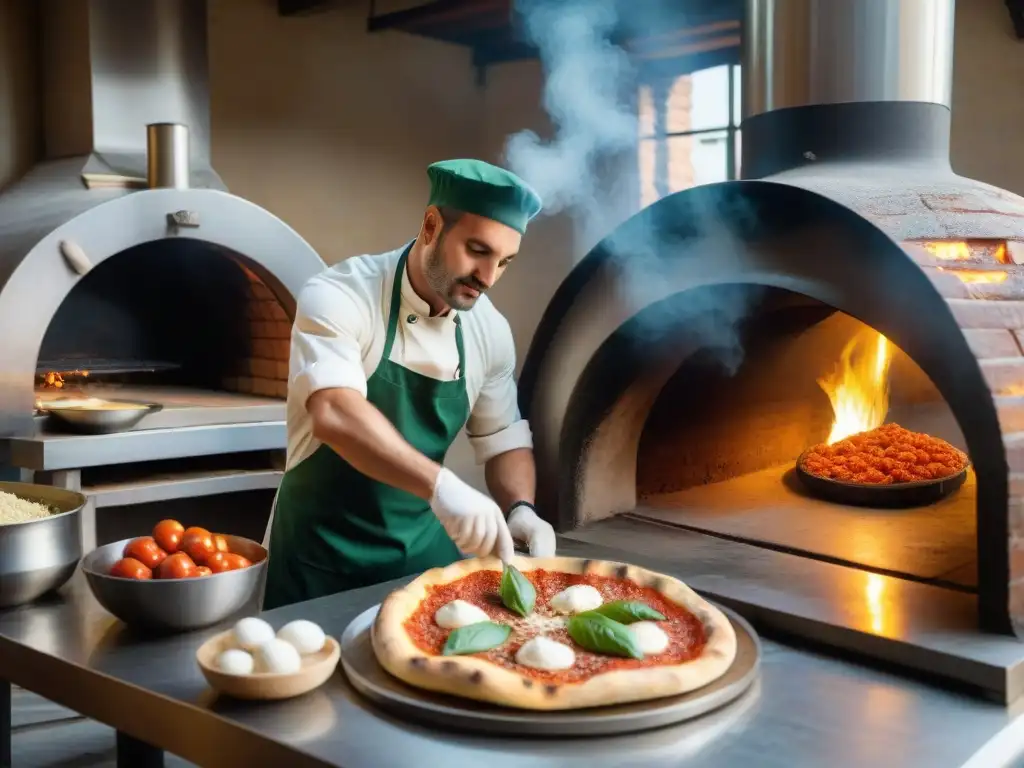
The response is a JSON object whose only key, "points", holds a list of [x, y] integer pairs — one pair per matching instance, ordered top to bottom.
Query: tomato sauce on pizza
{"points": [[481, 588]]}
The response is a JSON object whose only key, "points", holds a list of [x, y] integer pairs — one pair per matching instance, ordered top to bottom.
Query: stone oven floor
{"points": [[936, 544]]}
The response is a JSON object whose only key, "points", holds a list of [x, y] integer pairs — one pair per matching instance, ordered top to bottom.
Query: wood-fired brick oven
{"points": [[128, 271], [673, 375]]}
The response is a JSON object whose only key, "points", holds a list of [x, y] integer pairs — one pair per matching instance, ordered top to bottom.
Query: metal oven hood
{"points": [[803, 52], [109, 68], [839, 81]]}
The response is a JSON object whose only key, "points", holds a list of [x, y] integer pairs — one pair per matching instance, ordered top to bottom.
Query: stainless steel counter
{"points": [[48, 452], [807, 710]]}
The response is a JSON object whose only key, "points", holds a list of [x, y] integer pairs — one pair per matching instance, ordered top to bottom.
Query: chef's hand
{"points": [[472, 520], [525, 525]]}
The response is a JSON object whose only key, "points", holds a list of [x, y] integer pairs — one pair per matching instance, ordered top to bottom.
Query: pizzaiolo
{"points": [[391, 356]]}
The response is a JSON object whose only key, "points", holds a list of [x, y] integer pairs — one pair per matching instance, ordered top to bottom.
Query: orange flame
{"points": [[949, 251], [977, 251], [977, 276], [55, 379], [858, 388]]}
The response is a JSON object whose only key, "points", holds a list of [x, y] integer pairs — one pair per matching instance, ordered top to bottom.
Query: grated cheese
{"points": [[14, 509]]}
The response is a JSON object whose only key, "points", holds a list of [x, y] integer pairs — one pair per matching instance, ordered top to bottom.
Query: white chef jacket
{"points": [[338, 338]]}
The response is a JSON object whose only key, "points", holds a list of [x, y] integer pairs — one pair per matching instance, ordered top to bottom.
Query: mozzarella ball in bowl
{"points": [[250, 633], [305, 636], [276, 657], [235, 661]]}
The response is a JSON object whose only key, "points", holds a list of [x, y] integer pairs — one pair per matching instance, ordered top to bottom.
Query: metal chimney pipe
{"points": [[803, 52], [840, 81], [167, 158]]}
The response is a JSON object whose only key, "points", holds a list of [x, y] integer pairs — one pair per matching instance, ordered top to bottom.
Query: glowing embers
{"points": [[968, 251], [980, 260], [978, 276], [54, 380], [858, 387]]}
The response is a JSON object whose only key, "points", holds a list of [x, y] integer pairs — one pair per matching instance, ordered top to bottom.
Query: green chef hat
{"points": [[474, 186]]}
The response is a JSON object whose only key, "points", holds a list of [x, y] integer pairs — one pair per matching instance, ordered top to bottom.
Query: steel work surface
{"points": [[807, 710]]}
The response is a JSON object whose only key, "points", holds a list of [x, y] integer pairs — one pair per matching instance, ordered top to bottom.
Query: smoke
{"points": [[586, 77], [589, 95]]}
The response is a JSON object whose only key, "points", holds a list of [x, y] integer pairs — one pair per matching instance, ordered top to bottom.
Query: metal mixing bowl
{"points": [[39, 556], [175, 605]]}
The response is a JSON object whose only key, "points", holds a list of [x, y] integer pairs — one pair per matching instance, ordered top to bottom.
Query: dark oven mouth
{"points": [[179, 322], [726, 387]]}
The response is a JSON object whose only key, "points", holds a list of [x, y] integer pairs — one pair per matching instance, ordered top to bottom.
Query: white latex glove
{"points": [[472, 520], [525, 525]]}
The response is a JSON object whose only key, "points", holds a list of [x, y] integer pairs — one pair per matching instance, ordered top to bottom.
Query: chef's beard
{"points": [[444, 283]]}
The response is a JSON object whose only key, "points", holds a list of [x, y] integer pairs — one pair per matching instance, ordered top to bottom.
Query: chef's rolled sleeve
{"points": [[327, 338], [495, 425]]}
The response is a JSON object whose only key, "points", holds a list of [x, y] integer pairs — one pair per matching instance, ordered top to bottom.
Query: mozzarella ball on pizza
{"points": [[576, 599]]}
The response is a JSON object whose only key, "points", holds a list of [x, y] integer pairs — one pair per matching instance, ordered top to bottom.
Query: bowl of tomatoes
{"points": [[177, 578]]}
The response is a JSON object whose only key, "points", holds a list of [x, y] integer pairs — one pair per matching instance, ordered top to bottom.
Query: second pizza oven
{"points": [[129, 272], [675, 376]]}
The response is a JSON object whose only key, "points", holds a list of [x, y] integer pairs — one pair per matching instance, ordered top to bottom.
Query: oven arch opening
{"points": [[773, 237], [37, 275], [173, 312], [715, 423]]}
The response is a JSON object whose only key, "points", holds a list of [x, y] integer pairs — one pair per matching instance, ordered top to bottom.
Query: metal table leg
{"points": [[71, 480], [5, 724], [132, 753]]}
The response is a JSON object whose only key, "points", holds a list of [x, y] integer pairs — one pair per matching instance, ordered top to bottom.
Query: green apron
{"points": [[336, 529]]}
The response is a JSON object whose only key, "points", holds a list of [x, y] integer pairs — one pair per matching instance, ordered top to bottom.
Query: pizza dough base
{"points": [[475, 678]]}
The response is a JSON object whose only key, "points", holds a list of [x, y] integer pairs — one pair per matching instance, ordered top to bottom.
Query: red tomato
{"points": [[167, 534], [221, 543], [198, 544], [145, 550], [218, 562], [236, 562], [176, 566], [130, 568], [202, 570]]}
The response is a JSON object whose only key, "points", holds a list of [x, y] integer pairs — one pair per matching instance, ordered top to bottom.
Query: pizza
{"points": [[552, 633]]}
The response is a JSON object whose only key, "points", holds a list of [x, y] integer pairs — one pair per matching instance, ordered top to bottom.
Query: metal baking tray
{"points": [[96, 421], [896, 496], [450, 712]]}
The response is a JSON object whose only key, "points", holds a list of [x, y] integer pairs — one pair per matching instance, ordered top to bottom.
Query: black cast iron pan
{"points": [[896, 496]]}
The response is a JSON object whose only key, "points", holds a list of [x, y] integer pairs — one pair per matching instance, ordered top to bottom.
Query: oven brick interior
{"points": [[265, 371]]}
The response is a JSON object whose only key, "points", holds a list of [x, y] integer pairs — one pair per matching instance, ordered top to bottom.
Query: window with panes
{"points": [[689, 131]]}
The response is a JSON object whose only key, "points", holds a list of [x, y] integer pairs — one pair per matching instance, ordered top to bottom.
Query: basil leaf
{"points": [[517, 593], [628, 611], [600, 634], [474, 638]]}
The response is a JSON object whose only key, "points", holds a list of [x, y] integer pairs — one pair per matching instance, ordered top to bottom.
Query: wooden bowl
{"points": [[316, 669]]}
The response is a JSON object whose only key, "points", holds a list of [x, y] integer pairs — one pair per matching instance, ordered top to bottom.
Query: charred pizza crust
{"points": [[478, 678]]}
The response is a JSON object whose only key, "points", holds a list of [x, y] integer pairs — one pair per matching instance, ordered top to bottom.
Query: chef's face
{"points": [[468, 256]]}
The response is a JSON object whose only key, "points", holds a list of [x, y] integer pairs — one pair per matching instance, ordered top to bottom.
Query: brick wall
{"points": [[678, 118], [678, 150], [984, 288], [265, 371]]}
